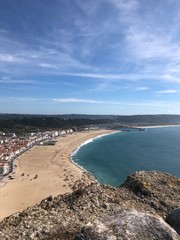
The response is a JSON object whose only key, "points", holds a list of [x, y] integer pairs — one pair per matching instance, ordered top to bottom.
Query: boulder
{"points": [[159, 190], [123, 212], [174, 219], [128, 225]]}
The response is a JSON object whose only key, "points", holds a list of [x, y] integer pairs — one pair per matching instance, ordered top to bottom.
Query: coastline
{"points": [[159, 126], [110, 132], [43, 171]]}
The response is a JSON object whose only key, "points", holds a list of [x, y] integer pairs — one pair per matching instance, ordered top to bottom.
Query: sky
{"points": [[118, 57]]}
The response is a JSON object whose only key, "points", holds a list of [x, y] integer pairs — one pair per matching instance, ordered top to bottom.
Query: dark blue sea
{"points": [[112, 158]]}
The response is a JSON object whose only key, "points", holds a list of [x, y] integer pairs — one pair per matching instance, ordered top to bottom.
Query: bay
{"points": [[112, 158]]}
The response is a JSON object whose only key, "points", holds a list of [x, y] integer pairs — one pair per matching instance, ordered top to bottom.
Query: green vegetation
{"points": [[20, 124]]}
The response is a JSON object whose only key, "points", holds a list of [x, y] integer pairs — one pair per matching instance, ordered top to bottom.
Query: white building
{"points": [[4, 168]]}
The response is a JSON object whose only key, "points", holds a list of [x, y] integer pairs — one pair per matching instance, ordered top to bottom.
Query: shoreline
{"points": [[158, 126], [92, 139], [87, 142], [48, 170], [43, 171]]}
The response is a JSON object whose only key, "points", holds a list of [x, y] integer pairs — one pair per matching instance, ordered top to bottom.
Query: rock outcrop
{"points": [[160, 191], [138, 206], [174, 219], [128, 225]]}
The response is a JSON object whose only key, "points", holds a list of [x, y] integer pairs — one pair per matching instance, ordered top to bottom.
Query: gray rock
{"points": [[159, 190], [62, 217], [174, 219], [129, 225]]}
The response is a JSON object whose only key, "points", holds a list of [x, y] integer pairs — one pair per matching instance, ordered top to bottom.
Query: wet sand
{"points": [[43, 171]]}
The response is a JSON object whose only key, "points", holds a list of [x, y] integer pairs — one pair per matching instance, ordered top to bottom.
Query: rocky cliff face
{"points": [[136, 210]]}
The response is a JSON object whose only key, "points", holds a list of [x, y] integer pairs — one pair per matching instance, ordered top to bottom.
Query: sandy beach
{"points": [[43, 171]]}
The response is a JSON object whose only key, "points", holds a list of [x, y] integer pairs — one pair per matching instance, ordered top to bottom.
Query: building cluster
{"points": [[12, 146]]}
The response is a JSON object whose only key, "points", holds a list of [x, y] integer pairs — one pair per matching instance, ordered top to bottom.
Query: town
{"points": [[12, 146]]}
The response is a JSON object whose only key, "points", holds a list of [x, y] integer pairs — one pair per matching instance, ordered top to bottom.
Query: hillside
{"points": [[20, 123], [92, 211]]}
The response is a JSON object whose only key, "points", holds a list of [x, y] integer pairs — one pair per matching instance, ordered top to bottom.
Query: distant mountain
{"points": [[65, 116], [161, 119], [29, 122]]}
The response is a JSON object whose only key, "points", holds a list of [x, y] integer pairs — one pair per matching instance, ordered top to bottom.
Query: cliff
{"points": [[138, 209]]}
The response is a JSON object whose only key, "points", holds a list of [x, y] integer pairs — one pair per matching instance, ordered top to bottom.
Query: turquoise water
{"points": [[112, 157]]}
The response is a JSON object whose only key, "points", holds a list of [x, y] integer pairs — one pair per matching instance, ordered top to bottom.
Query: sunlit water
{"points": [[111, 158]]}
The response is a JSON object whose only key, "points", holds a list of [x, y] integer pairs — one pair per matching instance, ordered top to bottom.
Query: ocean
{"points": [[111, 158]]}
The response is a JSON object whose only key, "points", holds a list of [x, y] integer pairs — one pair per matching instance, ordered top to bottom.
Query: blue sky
{"points": [[91, 57]]}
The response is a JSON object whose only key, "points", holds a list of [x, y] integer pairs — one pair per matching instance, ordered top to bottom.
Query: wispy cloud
{"points": [[127, 6], [146, 41], [150, 45], [107, 48], [60, 49], [10, 58], [22, 58], [47, 65], [173, 68], [110, 77], [171, 78], [8, 80], [142, 88], [169, 91], [19, 99], [77, 100], [164, 105]]}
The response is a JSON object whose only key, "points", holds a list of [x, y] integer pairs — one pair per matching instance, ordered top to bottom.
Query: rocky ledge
{"points": [[146, 206]]}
